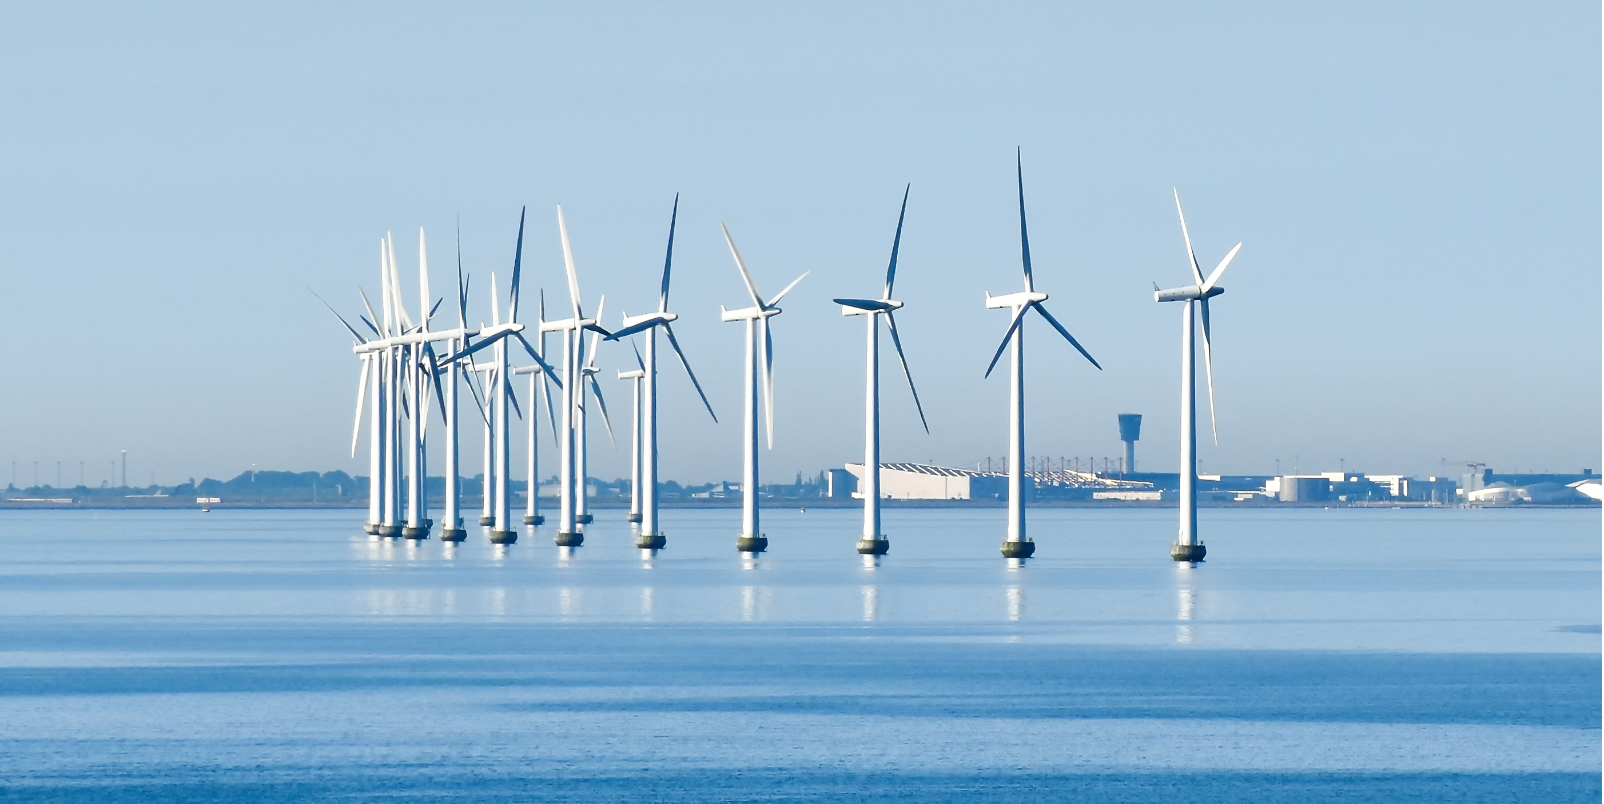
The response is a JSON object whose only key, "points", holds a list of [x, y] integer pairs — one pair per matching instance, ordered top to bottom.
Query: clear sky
{"points": [[1417, 186]]}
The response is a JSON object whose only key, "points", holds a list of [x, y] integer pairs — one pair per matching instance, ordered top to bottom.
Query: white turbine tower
{"points": [[573, 330], [587, 374], [635, 376], [537, 390], [651, 536], [751, 541], [873, 542], [1017, 545], [1187, 547]]}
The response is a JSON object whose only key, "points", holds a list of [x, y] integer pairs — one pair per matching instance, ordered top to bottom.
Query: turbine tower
{"points": [[573, 330], [587, 374], [634, 376], [651, 536], [751, 541], [873, 542], [1018, 546], [1187, 547]]}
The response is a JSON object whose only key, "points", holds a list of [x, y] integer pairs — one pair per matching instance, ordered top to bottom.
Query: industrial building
{"points": [[918, 481]]}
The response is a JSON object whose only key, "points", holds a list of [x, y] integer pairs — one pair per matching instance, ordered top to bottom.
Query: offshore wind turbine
{"points": [[573, 330], [634, 376], [537, 390], [651, 536], [751, 541], [873, 542], [1017, 545], [1187, 546]]}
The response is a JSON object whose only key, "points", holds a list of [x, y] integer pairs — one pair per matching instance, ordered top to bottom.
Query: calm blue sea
{"points": [[1319, 655]]}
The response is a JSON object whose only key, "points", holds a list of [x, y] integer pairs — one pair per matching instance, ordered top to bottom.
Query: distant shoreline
{"points": [[170, 504]]}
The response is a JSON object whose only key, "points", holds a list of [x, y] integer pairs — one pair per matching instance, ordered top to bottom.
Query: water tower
{"points": [[1130, 429]]}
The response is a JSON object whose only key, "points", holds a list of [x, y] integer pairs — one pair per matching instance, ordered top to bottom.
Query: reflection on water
{"points": [[412, 549], [448, 551], [498, 552], [647, 555], [564, 556], [749, 561], [870, 562], [496, 601], [568, 601], [400, 602], [648, 602], [1016, 602], [1185, 602], [755, 603], [871, 603]]}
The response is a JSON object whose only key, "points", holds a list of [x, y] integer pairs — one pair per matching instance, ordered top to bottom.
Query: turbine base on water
{"points": [[634, 517], [537, 519], [584, 519], [487, 520], [371, 529], [390, 531], [416, 533], [453, 535], [503, 537], [570, 539], [651, 541], [752, 544], [874, 547], [1018, 549], [1188, 552]]}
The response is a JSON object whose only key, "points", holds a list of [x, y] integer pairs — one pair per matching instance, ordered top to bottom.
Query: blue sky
{"points": [[1417, 186]]}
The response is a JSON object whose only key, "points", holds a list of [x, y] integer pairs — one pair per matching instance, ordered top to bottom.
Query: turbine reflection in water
{"points": [[1016, 601], [648, 602], [1185, 602], [871, 603]]}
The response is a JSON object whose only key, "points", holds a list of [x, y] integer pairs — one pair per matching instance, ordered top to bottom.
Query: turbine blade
{"points": [[1024, 234], [896, 243], [1191, 256], [668, 260], [568, 261], [517, 268], [1220, 270], [746, 276], [423, 279], [462, 283], [395, 286], [781, 294], [863, 304], [495, 306], [1019, 315], [372, 317], [891, 323], [370, 325], [348, 327], [631, 330], [1065, 333], [595, 340], [674, 342], [468, 350], [638, 360], [545, 367], [1208, 371], [434, 378], [768, 381], [595, 390], [475, 392], [361, 396], [513, 398], [551, 412]]}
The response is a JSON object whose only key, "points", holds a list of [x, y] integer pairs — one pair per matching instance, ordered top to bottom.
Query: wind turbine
{"points": [[573, 329], [634, 376], [537, 390], [453, 530], [651, 537], [751, 540], [873, 542], [1018, 545], [1187, 547]]}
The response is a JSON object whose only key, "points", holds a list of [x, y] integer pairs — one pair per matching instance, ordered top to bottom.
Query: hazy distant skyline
{"points": [[1417, 188]]}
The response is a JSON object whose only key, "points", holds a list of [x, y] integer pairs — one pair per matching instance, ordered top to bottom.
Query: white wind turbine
{"points": [[573, 329], [635, 376], [537, 390], [501, 396], [651, 536], [751, 540], [873, 542], [1018, 545], [1187, 547]]}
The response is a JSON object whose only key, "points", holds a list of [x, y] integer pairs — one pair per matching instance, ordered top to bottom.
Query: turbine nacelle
{"points": [[1188, 293], [1015, 299], [867, 306], [747, 313], [568, 323], [632, 324], [632, 374]]}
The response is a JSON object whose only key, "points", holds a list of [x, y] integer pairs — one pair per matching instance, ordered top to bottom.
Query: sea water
{"points": [[1318, 655]]}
